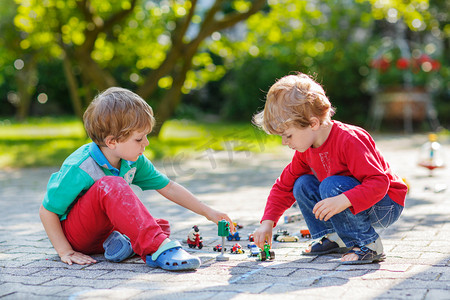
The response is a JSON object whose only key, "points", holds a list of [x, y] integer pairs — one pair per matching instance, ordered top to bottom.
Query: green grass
{"points": [[48, 141]]}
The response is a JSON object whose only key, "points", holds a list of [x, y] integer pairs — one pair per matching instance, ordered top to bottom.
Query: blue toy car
{"points": [[234, 236], [254, 250]]}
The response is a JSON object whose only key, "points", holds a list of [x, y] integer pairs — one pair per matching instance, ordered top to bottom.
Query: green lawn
{"points": [[48, 141]]}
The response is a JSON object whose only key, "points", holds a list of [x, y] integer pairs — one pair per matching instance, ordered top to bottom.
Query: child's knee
{"points": [[111, 181], [111, 184], [302, 184], [336, 185]]}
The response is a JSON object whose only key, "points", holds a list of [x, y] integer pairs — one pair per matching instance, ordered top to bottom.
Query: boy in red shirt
{"points": [[342, 183]]}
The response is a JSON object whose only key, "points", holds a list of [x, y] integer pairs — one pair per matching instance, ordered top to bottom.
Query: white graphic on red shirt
{"points": [[324, 158]]}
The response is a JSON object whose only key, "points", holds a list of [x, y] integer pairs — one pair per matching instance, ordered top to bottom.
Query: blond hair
{"points": [[293, 100], [117, 112]]}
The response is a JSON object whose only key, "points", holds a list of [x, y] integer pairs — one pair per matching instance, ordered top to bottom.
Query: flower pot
{"points": [[402, 103]]}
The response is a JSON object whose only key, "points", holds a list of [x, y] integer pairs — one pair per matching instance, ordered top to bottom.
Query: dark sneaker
{"points": [[324, 246]]}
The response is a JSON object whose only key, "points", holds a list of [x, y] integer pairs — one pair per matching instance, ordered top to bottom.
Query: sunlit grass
{"points": [[41, 129], [48, 141]]}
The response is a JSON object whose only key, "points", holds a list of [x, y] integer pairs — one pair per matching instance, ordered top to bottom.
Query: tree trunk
{"points": [[101, 78], [26, 80], [73, 87], [172, 97]]}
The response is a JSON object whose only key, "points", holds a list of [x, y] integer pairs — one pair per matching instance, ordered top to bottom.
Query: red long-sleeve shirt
{"points": [[348, 151]]}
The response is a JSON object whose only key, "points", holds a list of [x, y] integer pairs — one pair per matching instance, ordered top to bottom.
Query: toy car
{"points": [[237, 225], [280, 232], [305, 233], [234, 236], [284, 236], [194, 238], [251, 238], [287, 238], [218, 248], [237, 249], [254, 250], [266, 253]]}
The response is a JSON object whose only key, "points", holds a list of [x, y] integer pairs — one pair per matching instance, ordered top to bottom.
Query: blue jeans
{"points": [[355, 230]]}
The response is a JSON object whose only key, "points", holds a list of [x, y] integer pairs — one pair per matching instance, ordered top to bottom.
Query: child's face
{"points": [[298, 139], [133, 147]]}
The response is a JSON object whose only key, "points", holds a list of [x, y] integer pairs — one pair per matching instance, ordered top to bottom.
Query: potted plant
{"points": [[395, 69], [400, 79]]}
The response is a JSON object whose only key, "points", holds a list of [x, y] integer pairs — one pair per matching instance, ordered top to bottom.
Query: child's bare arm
{"points": [[180, 195], [59, 241]]}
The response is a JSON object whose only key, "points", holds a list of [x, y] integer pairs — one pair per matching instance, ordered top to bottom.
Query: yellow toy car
{"points": [[283, 236]]}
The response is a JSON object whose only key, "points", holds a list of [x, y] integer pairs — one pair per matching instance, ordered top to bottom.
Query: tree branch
{"points": [[84, 7], [118, 17], [99, 24], [211, 25], [179, 49], [176, 51]]}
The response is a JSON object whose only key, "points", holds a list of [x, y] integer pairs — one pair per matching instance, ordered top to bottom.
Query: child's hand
{"points": [[329, 207], [216, 216], [263, 234], [77, 257]]}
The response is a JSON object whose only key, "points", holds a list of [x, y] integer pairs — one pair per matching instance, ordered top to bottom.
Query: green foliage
{"points": [[8, 40], [331, 40], [282, 41], [141, 42], [162, 49], [245, 87], [38, 142]]}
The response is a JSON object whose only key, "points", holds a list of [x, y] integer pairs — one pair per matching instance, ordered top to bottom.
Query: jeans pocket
{"points": [[381, 216]]}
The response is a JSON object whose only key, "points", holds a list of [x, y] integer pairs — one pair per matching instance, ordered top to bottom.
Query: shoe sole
{"points": [[117, 247], [330, 251], [375, 259], [174, 261], [183, 266]]}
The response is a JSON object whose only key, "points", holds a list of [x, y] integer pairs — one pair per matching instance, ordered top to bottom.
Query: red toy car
{"points": [[305, 233], [251, 237], [218, 248]]}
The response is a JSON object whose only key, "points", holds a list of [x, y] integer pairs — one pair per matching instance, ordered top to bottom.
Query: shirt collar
{"points": [[101, 160]]}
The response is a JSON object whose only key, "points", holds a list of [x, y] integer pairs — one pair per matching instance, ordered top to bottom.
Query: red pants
{"points": [[110, 204]]}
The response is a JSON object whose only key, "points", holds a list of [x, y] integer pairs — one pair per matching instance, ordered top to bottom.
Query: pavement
{"points": [[417, 245]]}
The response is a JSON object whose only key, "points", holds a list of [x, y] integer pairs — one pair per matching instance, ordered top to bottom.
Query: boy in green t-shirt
{"points": [[89, 206]]}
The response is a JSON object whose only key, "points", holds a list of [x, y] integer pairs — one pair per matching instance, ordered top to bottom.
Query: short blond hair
{"points": [[293, 100], [117, 112]]}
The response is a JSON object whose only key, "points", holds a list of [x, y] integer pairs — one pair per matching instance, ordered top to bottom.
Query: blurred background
{"points": [[205, 67]]}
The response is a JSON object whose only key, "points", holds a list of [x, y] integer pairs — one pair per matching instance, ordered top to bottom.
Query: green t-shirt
{"points": [[85, 166]]}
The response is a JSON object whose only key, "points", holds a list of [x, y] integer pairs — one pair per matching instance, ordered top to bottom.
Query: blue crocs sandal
{"points": [[117, 247], [173, 258]]}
